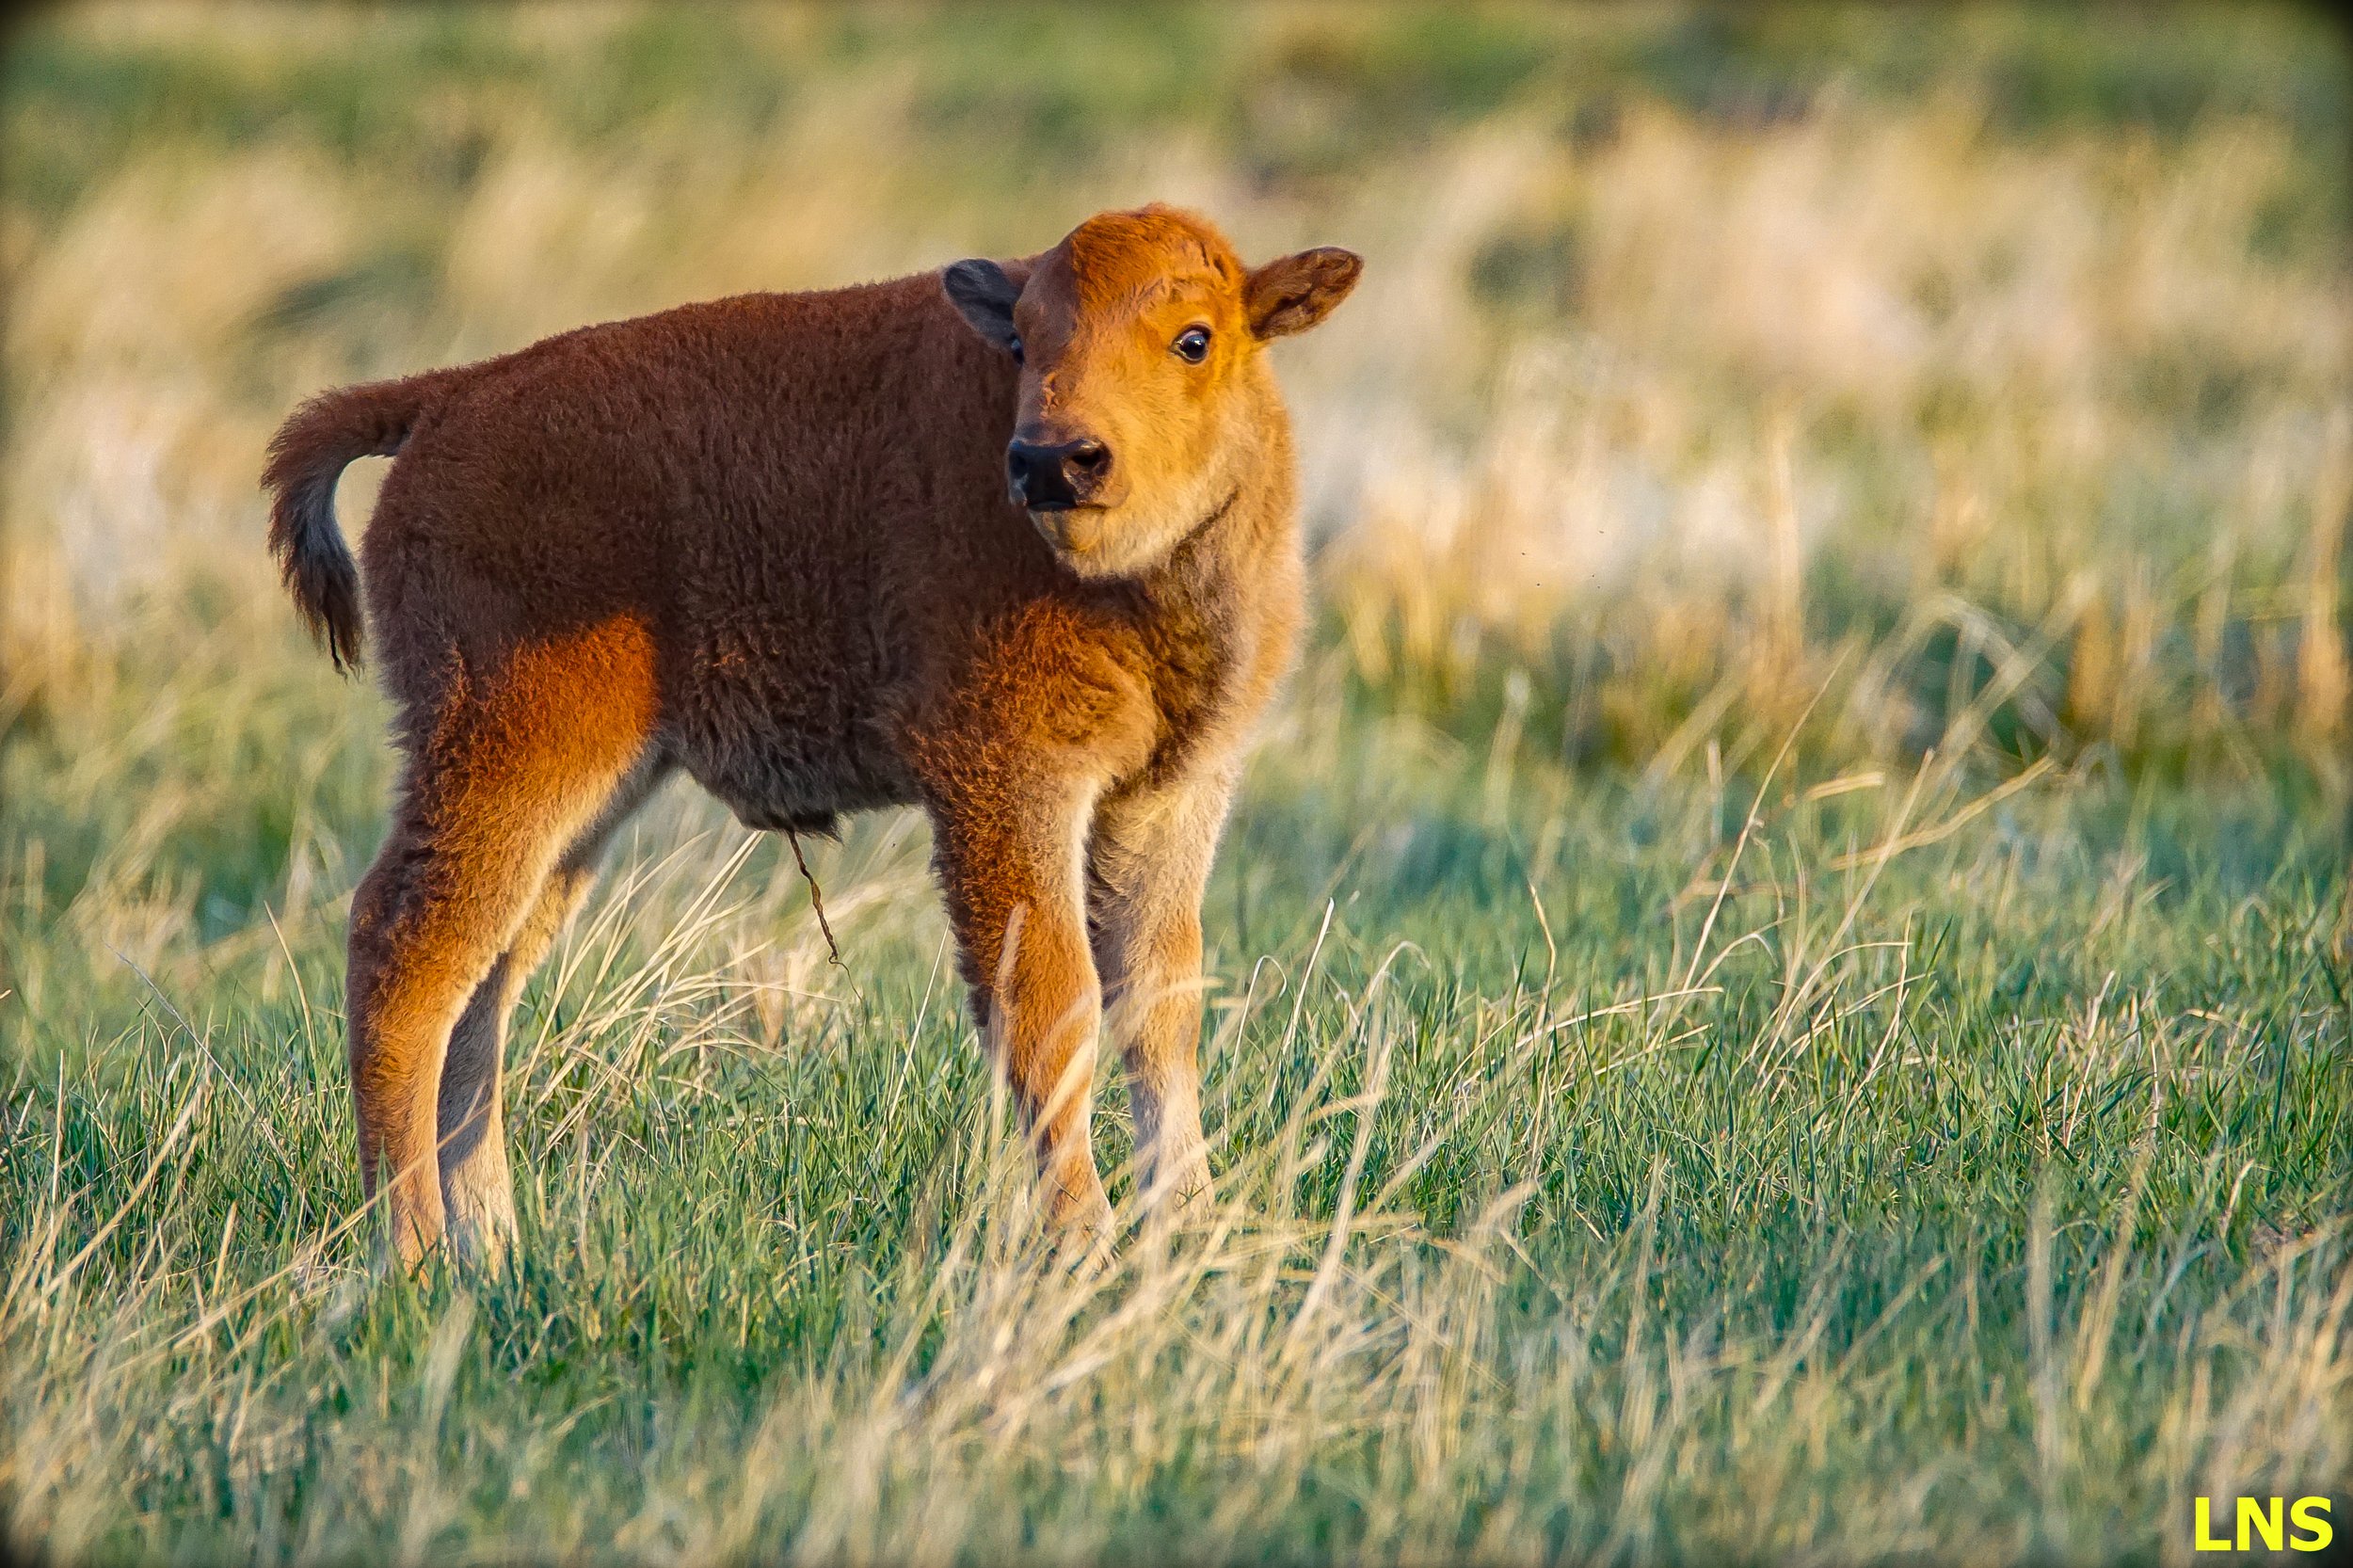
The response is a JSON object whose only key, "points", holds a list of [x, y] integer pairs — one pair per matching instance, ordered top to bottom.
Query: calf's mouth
{"points": [[1068, 527]]}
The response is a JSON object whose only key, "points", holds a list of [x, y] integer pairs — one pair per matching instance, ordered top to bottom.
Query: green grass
{"points": [[1933, 1144], [1979, 1199]]}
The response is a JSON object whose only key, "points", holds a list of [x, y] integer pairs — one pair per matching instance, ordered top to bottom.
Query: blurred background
{"points": [[1708, 360], [1966, 377], [1761, 1151]]}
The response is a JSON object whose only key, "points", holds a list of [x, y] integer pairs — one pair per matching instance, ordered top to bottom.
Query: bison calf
{"points": [[1015, 542]]}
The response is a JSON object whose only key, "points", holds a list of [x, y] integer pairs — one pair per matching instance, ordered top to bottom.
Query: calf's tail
{"points": [[306, 458]]}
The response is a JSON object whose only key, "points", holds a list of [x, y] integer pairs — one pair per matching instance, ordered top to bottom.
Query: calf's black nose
{"points": [[1062, 474]]}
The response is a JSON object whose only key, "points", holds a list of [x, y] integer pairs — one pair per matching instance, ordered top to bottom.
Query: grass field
{"points": [[1775, 991]]}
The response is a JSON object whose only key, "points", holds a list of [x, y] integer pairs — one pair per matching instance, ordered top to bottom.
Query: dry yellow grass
{"points": [[1619, 407], [1693, 1152]]}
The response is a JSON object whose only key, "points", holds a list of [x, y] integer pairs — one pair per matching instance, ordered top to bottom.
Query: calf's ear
{"points": [[1293, 292], [983, 293]]}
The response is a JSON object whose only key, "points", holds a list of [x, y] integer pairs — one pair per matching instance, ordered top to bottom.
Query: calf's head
{"points": [[1145, 396]]}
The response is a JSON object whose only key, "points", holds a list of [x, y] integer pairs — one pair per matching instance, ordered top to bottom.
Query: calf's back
{"points": [[798, 498]]}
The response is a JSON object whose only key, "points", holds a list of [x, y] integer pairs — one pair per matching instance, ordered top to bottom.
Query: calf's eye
{"points": [[1192, 345], [1014, 346]]}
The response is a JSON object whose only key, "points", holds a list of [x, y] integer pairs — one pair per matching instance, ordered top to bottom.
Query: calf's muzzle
{"points": [[1051, 476]]}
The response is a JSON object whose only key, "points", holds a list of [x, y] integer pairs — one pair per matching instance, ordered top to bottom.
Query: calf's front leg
{"points": [[1148, 863], [1011, 866]]}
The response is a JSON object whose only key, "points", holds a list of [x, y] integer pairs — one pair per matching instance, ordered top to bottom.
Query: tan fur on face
{"points": [[1099, 316], [767, 540]]}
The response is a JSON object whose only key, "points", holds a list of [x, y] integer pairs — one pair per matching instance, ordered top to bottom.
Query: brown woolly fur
{"points": [[1035, 570]]}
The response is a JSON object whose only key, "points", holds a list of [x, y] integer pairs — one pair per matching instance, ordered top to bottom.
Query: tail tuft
{"points": [[306, 458]]}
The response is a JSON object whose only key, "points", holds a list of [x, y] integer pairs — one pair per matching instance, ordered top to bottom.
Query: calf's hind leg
{"points": [[510, 773], [477, 1191]]}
